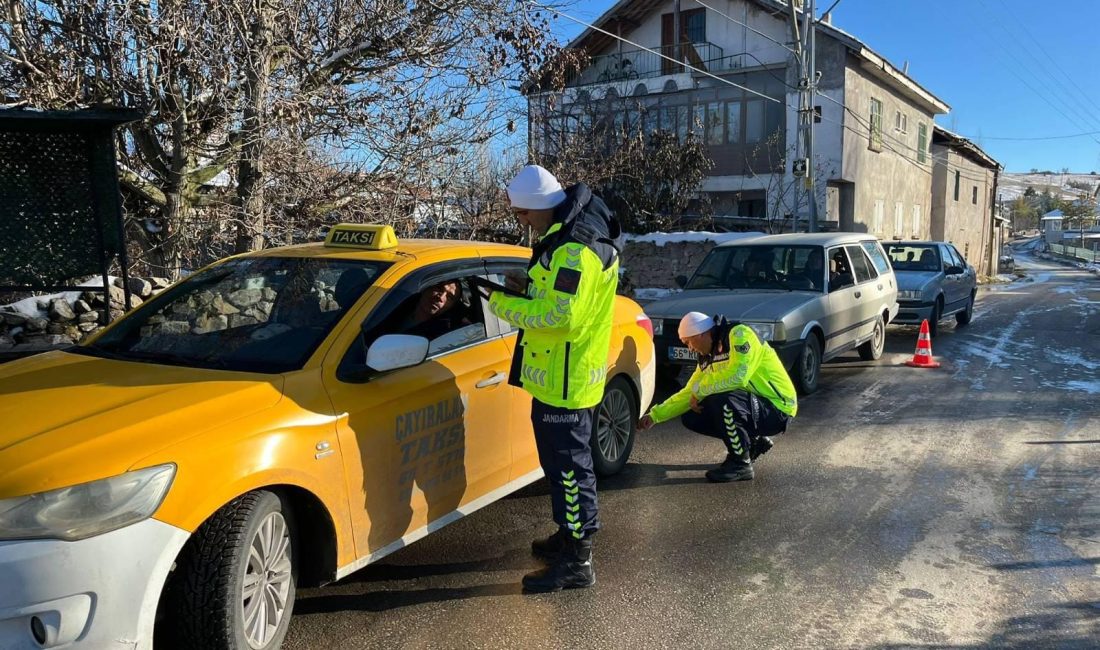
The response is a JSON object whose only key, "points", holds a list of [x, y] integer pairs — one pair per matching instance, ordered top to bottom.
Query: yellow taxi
{"points": [[278, 419]]}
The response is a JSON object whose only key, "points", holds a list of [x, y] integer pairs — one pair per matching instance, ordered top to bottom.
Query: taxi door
{"points": [[421, 442]]}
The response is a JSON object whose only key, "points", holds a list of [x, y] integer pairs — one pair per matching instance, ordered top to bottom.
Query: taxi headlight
{"points": [[658, 326], [766, 331], [88, 509]]}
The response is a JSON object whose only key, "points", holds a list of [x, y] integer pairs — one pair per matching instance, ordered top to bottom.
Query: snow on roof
{"points": [[662, 238]]}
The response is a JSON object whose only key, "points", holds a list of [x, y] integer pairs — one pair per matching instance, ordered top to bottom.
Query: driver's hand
{"points": [[695, 406], [645, 423]]}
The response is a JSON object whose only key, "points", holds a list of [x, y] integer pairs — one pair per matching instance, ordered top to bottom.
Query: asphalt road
{"points": [[905, 508]]}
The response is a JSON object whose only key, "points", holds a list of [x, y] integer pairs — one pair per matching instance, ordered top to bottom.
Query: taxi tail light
{"points": [[646, 324]]}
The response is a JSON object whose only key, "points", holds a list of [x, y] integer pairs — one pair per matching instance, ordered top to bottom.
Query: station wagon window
{"points": [[874, 251], [862, 266], [789, 268], [840, 270], [259, 314]]}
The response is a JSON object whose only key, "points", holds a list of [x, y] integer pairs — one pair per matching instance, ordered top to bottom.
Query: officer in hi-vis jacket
{"points": [[561, 355]]}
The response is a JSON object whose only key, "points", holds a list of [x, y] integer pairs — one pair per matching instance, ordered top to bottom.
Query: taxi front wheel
{"points": [[613, 428], [234, 582]]}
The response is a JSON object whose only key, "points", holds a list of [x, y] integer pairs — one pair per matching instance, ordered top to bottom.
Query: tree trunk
{"points": [[250, 172]]}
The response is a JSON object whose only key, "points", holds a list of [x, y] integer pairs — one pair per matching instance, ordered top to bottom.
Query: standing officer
{"points": [[561, 355], [740, 393]]}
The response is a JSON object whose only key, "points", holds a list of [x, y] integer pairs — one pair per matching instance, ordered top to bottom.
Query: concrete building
{"points": [[873, 164], [964, 184]]}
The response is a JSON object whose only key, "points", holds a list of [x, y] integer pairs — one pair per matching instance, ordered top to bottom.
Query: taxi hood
{"points": [[68, 418]]}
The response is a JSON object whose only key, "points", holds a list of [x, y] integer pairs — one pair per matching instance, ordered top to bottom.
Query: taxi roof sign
{"points": [[366, 236]]}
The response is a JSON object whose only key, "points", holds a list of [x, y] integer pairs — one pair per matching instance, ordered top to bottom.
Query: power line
{"points": [[751, 29], [663, 56], [1026, 83], [1087, 111], [1038, 138], [916, 163]]}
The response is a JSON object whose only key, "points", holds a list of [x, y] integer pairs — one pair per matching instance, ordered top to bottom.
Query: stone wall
{"points": [[650, 265], [62, 322]]}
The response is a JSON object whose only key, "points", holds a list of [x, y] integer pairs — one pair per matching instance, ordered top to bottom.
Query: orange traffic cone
{"points": [[922, 358]]}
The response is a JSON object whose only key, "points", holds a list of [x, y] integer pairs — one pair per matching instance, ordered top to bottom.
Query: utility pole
{"points": [[806, 57]]}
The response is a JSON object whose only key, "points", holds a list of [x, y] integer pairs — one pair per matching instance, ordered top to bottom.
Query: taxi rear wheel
{"points": [[613, 428], [236, 578]]}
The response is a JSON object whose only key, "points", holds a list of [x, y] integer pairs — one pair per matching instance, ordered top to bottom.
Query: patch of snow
{"points": [[662, 238], [29, 306], [1073, 359], [1090, 387]]}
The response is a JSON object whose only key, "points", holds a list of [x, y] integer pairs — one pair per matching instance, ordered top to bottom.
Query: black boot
{"points": [[760, 446], [734, 468], [549, 548], [572, 569]]}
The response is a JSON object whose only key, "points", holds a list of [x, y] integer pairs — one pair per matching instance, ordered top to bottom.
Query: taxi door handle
{"points": [[859, 295], [492, 380]]}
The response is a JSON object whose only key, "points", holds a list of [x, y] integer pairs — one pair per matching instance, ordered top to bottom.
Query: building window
{"points": [[695, 25], [699, 120], [754, 121], [683, 122], [733, 122], [901, 122], [876, 124], [716, 132], [922, 142], [958, 178], [974, 199], [880, 210], [899, 218], [916, 221]]}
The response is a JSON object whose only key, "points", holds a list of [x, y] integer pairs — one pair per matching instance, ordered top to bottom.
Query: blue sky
{"points": [[981, 56]]}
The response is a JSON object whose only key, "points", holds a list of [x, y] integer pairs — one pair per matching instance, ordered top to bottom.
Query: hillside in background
{"points": [[1065, 186]]}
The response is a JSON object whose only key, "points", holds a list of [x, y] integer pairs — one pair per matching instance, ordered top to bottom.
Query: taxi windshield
{"points": [[257, 314]]}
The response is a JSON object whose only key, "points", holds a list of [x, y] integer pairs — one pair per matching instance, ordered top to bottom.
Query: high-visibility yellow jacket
{"points": [[567, 315], [740, 361]]}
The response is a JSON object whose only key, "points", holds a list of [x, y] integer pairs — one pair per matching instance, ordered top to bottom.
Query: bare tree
{"points": [[241, 96], [648, 170], [786, 198]]}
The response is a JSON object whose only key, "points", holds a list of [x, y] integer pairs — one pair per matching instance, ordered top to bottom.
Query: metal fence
{"points": [[642, 64], [1083, 254]]}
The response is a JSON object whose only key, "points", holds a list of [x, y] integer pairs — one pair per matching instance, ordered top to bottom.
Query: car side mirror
{"points": [[954, 270], [681, 281], [395, 351]]}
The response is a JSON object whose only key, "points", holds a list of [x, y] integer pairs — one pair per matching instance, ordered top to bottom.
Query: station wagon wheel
{"points": [[872, 349], [808, 367], [613, 428], [234, 583]]}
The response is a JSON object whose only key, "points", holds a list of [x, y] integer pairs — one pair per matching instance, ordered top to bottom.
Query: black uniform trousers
{"points": [[736, 418], [563, 437]]}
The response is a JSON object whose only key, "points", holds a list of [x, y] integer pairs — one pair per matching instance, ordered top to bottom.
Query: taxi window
{"points": [[447, 312], [262, 314]]}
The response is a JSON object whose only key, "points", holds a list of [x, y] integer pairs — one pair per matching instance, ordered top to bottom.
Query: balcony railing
{"points": [[642, 64]]}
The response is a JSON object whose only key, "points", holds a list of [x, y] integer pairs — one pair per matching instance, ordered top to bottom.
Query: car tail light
{"points": [[646, 324]]}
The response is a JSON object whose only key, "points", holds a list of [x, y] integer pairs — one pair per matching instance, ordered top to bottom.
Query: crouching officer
{"points": [[561, 355], [740, 393]]}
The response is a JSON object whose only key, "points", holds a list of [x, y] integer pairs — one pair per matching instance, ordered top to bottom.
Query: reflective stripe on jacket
{"points": [[740, 362]]}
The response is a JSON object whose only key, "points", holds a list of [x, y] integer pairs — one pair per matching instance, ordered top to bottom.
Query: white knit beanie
{"points": [[534, 188], [694, 323]]}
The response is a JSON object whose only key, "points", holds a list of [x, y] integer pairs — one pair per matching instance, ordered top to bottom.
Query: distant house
{"points": [[873, 164], [964, 183]]}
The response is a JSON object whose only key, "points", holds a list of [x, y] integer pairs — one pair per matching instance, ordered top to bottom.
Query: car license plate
{"points": [[683, 354]]}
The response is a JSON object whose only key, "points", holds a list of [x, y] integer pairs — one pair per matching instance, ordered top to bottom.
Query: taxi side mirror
{"points": [[394, 351]]}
